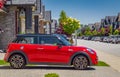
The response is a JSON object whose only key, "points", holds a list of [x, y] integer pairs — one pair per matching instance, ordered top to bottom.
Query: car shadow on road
{"points": [[48, 68]]}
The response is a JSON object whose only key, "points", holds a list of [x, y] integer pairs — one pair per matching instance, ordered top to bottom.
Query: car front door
{"points": [[54, 53]]}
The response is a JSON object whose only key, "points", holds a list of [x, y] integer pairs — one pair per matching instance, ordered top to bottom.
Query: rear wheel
{"points": [[17, 61], [80, 62]]}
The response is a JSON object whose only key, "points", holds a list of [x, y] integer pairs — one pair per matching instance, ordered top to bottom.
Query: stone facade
{"points": [[7, 24]]}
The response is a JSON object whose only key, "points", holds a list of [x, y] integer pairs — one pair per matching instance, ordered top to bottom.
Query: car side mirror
{"points": [[59, 46]]}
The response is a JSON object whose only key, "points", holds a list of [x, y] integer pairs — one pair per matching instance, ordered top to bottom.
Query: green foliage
{"points": [[63, 17], [67, 24], [71, 25], [111, 29], [88, 31], [102, 31], [95, 32], [116, 32], [21, 33], [2, 62], [51, 75]]}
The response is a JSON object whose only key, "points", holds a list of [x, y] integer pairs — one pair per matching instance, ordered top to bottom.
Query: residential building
{"points": [[23, 16], [37, 16], [11, 18], [42, 20], [118, 21], [53, 25], [97, 25], [47, 26], [91, 26]]}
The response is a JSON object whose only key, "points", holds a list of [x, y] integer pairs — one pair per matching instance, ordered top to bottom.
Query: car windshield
{"points": [[63, 40]]}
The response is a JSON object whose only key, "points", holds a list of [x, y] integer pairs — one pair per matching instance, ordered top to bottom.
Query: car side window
{"points": [[25, 40], [49, 40]]}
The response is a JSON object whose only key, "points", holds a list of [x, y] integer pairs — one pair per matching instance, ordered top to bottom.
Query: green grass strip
{"points": [[2, 62], [101, 63]]}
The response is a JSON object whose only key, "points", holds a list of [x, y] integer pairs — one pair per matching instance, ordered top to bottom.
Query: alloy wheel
{"points": [[17, 61], [80, 62]]}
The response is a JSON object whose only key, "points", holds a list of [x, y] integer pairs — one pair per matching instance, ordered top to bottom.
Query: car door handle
{"points": [[40, 48], [70, 50]]}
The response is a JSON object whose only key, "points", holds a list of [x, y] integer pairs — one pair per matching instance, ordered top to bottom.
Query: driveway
{"points": [[40, 71]]}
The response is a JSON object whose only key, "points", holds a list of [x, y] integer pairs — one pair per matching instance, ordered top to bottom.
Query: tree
{"points": [[63, 17], [62, 20], [67, 25], [71, 25], [111, 29], [88, 31], [102, 31], [95, 32], [116, 32]]}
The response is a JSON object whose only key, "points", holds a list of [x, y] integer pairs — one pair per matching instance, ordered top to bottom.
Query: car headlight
{"points": [[90, 50]]}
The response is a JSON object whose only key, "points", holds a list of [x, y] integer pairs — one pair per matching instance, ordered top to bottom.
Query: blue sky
{"points": [[87, 11]]}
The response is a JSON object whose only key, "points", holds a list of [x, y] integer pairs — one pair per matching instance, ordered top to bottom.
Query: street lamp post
{"points": [[75, 35]]}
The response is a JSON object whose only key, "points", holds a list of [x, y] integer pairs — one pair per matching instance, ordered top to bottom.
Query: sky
{"points": [[86, 11]]}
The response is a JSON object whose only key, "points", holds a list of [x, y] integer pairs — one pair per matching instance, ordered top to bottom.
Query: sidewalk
{"points": [[2, 56], [112, 60]]}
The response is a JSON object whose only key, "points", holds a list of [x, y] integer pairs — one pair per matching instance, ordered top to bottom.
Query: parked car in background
{"points": [[114, 39], [48, 49]]}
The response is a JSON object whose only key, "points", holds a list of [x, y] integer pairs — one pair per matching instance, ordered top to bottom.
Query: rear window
{"points": [[25, 40]]}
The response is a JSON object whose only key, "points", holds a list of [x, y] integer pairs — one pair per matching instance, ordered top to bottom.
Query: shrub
{"points": [[51, 75]]}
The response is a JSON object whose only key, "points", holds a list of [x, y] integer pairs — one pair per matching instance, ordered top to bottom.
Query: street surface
{"points": [[106, 52], [40, 71]]}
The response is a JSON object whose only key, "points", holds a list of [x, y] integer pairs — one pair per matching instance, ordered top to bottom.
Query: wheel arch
{"points": [[19, 52], [80, 53]]}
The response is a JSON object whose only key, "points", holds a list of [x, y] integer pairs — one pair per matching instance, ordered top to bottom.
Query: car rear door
{"points": [[29, 45]]}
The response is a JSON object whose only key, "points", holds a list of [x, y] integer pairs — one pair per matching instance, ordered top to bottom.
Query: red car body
{"points": [[50, 54]]}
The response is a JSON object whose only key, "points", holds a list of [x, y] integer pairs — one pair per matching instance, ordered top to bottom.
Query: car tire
{"points": [[17, 61], [80, 62]]}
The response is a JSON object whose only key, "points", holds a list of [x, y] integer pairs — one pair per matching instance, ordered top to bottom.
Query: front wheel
{"points": [[17, 61], [80, 62]]}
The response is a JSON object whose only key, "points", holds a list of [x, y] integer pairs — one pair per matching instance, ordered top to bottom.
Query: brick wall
{"points": [[7, 23]]}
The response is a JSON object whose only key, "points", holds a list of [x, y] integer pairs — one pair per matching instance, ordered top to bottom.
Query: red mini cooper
{"points": [[48, 49]]}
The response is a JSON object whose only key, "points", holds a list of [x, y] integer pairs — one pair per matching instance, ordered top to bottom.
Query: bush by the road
{"points": [[51, 75]]}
